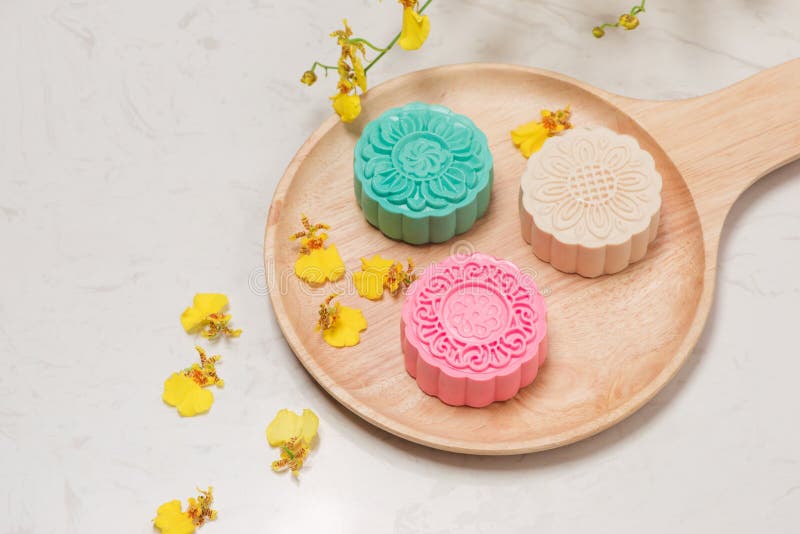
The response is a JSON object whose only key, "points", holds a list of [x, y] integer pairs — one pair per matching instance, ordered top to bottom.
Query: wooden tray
{"points": [[615, 340]]}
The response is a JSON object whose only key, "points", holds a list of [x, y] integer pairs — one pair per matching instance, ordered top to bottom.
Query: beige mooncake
{"points": [[589, 201]]}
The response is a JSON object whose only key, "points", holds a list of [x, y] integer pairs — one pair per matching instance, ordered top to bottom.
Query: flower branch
{"points": [[628, 21], [353, 50]]}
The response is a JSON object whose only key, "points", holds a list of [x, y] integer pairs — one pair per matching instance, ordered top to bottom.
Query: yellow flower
{"points": [[628, 21], [416, 27], [598, 32], [352, 74], [348, 107], [530, 137], [316, 263], [320, 265], [379, 273], [369, 282], [206, 311], [340, 325], [345, 330], [184, 390], [186, 395], [294, 434], [171, 520]]}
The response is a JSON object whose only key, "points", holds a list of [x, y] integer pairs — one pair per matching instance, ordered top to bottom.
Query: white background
{"points": [[140, 142]]}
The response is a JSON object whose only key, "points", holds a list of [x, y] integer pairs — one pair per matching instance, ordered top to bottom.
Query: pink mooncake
{"points": [[473, 330]]}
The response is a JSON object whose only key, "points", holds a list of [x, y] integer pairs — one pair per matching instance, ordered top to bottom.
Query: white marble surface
{"points": [[140, 142]]}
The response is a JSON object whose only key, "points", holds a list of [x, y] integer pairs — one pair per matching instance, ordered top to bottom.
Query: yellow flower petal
{"points": [[415, 30], [358, 70], [348, 107], [519, 134], [529, 137], [532, 144], [332, 263], [376, 264], [319, 265], [307, 268], [369, 284], [209, 303], [204, 304], [192, 319], [344, 332], [176, 388], [188, 397], [198, 401], [310, 423], [288, 425], [284, 427], [171, 520]]}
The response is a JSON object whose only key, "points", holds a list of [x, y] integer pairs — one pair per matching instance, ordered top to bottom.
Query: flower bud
{"points": [[628, 21], [308, 78]]}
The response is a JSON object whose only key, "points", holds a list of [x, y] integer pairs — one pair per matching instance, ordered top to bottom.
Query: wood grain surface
{"points": [[616, 340]]}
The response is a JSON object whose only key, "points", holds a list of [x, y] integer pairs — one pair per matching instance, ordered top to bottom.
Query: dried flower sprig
{"points": [[628, 21], [353, 51]]}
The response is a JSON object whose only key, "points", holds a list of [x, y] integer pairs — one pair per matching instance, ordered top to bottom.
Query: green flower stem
{"points": [[635, 10], [358, 40], [394, 41], [323, 66]]}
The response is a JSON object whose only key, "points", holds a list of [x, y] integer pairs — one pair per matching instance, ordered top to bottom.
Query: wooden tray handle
{"points": [[724, 141]]}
